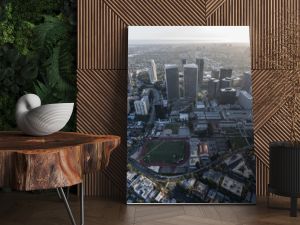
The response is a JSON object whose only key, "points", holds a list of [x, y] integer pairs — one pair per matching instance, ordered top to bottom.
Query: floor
{"points": [[45, 209]]}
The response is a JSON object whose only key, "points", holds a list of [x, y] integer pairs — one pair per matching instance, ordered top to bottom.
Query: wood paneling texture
{"points": [[102, 64]]}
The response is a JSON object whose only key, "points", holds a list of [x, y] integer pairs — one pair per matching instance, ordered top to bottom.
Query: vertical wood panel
{"points": [[101, 37], [102, 64]]}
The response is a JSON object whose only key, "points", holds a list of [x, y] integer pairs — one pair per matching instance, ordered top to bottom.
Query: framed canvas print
{"points": [[189, 106]]}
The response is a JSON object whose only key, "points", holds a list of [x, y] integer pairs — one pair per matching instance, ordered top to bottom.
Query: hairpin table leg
{"points": [[62, 195]]}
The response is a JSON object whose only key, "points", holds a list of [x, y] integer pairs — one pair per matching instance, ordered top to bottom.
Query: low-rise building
{"points": [[142, 106], [200, 106], [237, 114], [200, 115], [212, 115], [184, 116], [227, 124], [248, 124], [201, 126], [184, 131], [203, 151], [233, 159], [193, 161], [243, 170], [213, 176], [130, 177], [188, 183], [143, 186], [232, 186], [200, 189], [211, 195], [159, 197], [219, 197]]}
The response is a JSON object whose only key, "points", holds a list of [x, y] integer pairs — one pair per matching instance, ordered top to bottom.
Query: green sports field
{"points": [[164, 151]]}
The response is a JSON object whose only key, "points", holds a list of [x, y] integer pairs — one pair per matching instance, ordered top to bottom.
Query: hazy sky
{"points": [[189, 33]]}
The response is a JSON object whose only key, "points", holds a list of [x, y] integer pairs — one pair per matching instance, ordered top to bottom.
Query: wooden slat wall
{"points": [[102, 64]]}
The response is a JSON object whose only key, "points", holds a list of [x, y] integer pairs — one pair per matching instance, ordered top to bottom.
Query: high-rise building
{"points": [[183, 62], [200, 64], [152, 72], [225, 73], [215, 74], [190, 76], [172, 81], [226, 82], [236, 82], [247, 82], [213, 88], [227, 96], [245, 100], [142, 106], [160, 111]]}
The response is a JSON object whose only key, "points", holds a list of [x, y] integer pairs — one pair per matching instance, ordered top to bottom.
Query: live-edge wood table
{"points": [[52, 162]]}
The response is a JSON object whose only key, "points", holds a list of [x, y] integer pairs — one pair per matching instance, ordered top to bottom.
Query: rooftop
{"points": [[192, 65], [170, 66], [229, 89], [246, 94], [233, 186]]}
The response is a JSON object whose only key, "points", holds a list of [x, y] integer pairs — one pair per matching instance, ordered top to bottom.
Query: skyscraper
{"points": [[183, 62], [200, 64], [152, 72], [225, 73], [215, 74], [190, 76], [172, 81], [226, 82], [236, 82], [247, 82], [213, 88], [227, 96]]}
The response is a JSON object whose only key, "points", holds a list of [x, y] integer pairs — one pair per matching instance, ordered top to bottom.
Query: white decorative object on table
{"points": [[39, 120]]}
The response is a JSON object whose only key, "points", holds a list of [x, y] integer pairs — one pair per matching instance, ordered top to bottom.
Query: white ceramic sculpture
{"points": [[40, 120]]}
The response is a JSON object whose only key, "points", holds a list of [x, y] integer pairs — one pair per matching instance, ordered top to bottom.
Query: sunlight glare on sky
{"points": [[216, 34]]}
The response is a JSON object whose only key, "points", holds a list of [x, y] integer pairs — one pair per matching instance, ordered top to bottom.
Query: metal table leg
{"points": [[67, 193], [62, 196]]}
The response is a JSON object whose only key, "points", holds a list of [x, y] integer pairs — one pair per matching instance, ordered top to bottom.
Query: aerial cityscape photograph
{"points": [[189, 108]]}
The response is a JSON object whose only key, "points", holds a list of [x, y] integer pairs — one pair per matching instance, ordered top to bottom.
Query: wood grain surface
{"points": [[102, 66], [57, 160], [46, 209]]}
